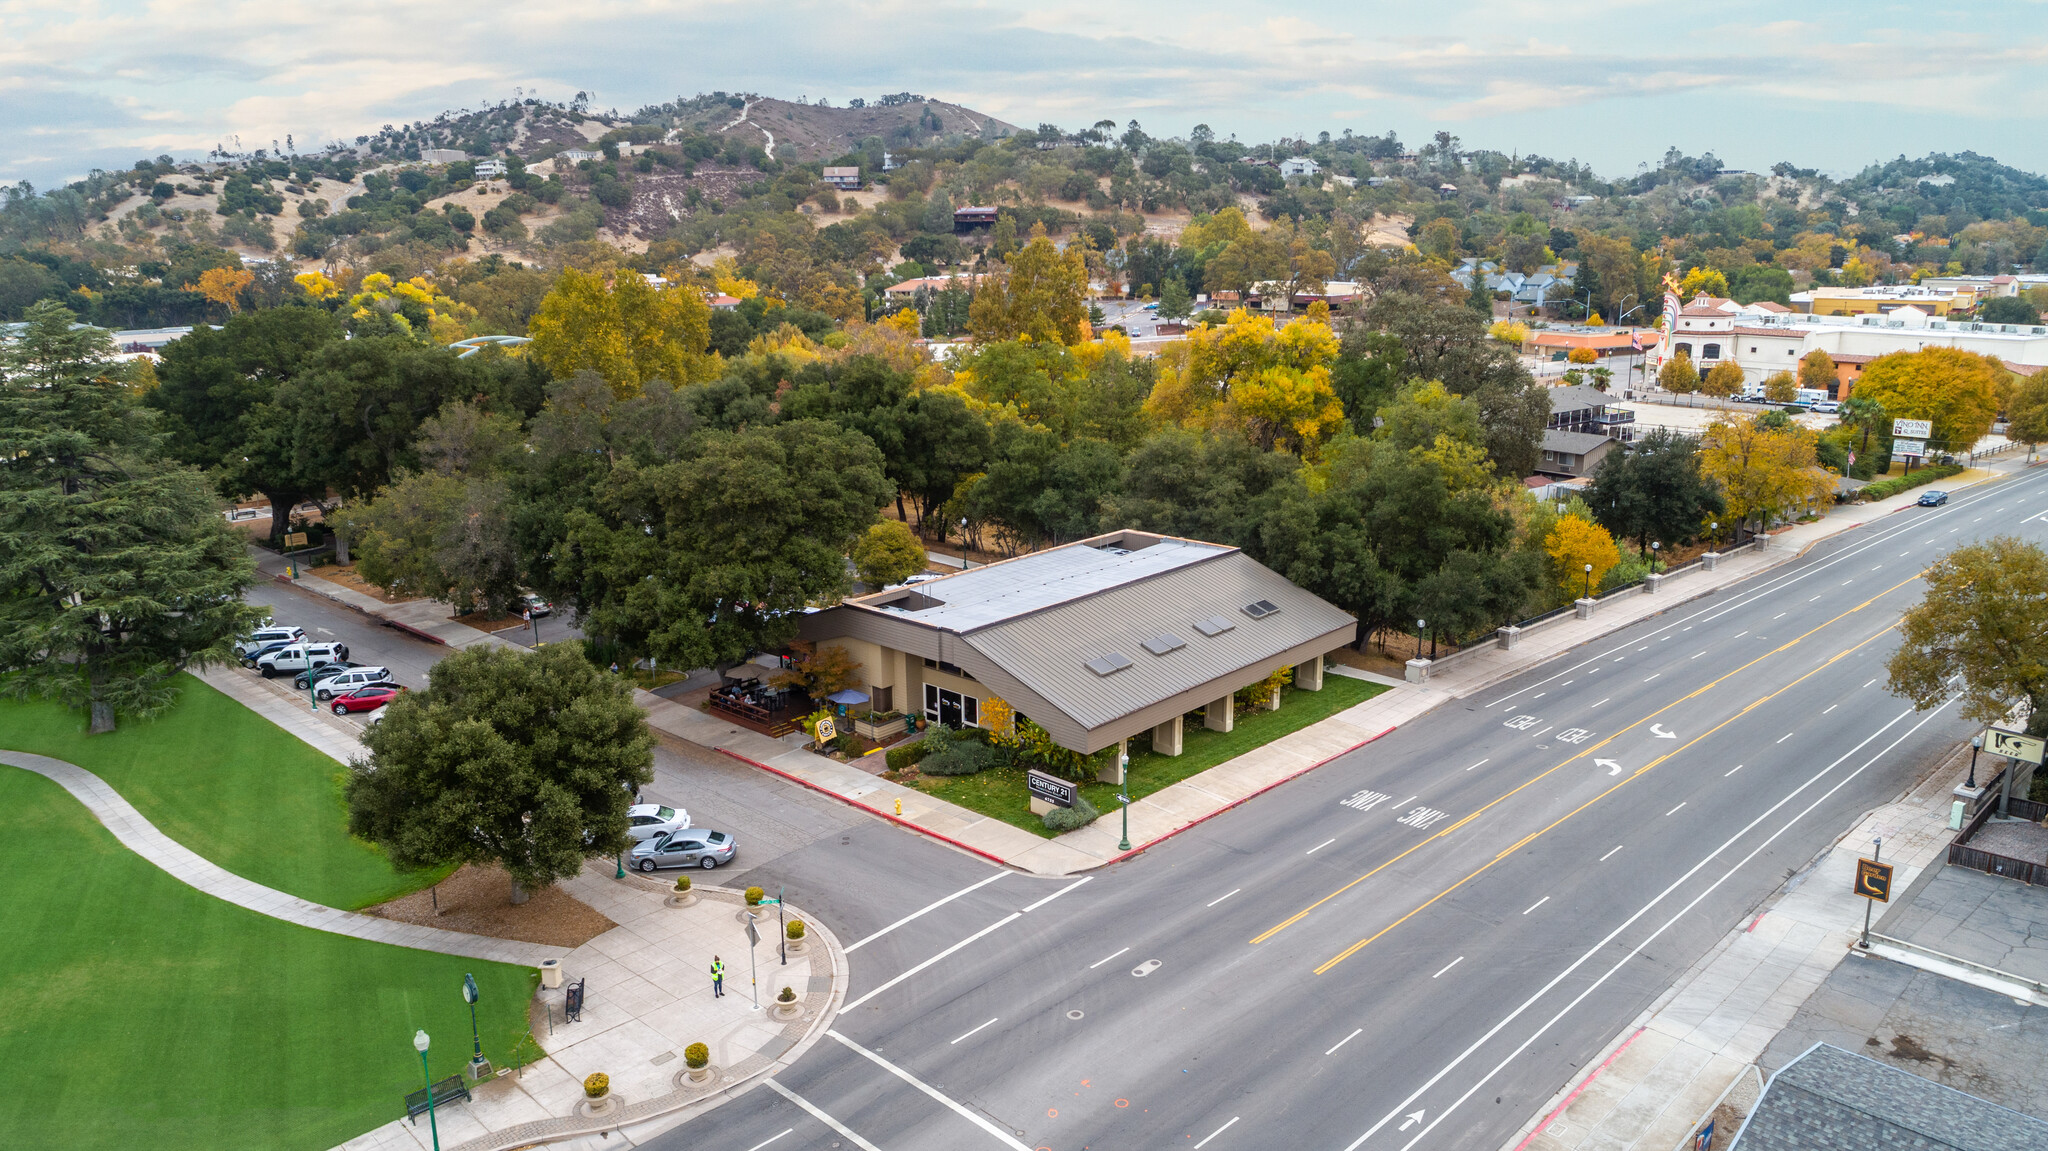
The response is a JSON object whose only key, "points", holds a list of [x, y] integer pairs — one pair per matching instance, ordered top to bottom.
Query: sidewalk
{"points": [[422, 617], [648, 997], [1658, 1079]]}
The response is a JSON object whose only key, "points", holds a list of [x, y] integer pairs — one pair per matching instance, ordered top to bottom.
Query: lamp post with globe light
{"points": [[1589, 582], [419, 1044]]}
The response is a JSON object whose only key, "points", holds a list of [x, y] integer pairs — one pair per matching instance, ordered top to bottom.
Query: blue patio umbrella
{"points": [[846, 697]]}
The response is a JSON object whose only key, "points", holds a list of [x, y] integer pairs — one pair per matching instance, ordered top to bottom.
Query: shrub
{"points": [[1897, 484], [936, 737], [847, 744], [903, 756], [959, 758], [1081, 814], [682, 884], [754, 895], [795, 929], [786, 995], [696, 1056], [597, 1084]]}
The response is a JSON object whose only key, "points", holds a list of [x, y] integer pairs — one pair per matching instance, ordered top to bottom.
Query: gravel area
{"points": [[478, 899]]}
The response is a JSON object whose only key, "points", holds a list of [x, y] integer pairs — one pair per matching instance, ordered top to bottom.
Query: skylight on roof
{"points": [[1261, 609], [1215, 625], [1164, 642], [1107, 665]]}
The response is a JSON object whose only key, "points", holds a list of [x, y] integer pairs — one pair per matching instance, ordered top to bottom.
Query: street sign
{"points": [[1913, 429], [1909, 448], [295, 539], [827, 731], [2013, 745], [1050, 788], [1874, 880], [753, 936]]}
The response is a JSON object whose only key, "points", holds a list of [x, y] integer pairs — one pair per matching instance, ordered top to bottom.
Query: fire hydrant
{"points": [[899, 807]]}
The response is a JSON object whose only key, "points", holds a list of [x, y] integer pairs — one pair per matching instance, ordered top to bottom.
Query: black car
{"points": [[1933, 499], [255, 654]]}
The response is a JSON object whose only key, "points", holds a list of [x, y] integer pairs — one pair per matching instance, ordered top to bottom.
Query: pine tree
{"points": [[1174, 303], [116, 569]]}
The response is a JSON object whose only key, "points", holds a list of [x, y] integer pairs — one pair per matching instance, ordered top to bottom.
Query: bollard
{"points": [[1709, 560], [1585, 608], [1506, 637]]}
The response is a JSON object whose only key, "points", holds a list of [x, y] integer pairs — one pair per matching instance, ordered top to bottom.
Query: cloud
{"points": [[1594, 79]]}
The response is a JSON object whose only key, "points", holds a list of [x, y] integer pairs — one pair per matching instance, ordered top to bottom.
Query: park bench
{"points": [[449, 1090]]}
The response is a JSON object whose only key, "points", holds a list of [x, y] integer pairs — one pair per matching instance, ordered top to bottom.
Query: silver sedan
{"points": [[690, 847]]}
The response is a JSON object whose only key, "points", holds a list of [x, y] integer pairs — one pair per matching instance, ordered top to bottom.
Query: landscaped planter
{"points": [[886, 729]]}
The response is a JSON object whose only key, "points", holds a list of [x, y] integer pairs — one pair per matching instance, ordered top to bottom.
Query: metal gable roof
{"points": [[1051, 649]]}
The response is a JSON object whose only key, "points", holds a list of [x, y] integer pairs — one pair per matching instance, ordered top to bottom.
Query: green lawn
{"points": [[228, 784], [999, 792], [143, 1013]]}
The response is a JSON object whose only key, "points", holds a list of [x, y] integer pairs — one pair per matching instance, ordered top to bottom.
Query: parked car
{"points": [[1828, 406], [1933, 499], [536, 605], [267, 637], [301, 656], [249, 659], [321, 671], [341, 684], [367, 698], [644, 821], [690, 847]]}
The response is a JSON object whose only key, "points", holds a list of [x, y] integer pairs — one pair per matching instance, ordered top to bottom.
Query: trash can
{"points": [[550, 973]]}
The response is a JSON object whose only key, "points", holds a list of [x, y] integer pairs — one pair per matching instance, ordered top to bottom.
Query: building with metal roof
{"points": [[1094, 641], [1829, 1099]]}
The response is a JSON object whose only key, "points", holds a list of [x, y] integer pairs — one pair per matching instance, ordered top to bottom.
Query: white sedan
{"points": [[647, 820]]}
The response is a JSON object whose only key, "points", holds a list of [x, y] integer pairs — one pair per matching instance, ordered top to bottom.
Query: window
{"points": [[1682, 350], [1710, 352], [949, 669], [943, 705]]}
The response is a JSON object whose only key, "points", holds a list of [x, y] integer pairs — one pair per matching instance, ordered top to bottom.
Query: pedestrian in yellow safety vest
{"points": [[717, 977]]}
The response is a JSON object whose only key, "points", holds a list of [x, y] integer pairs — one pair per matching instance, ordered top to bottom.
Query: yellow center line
{"points": [[1304, 912], [1361, 944]]}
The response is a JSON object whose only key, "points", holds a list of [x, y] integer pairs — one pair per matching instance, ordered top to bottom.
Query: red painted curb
{"points": [[1254, 795], [895, 819], [1585, 1083]]}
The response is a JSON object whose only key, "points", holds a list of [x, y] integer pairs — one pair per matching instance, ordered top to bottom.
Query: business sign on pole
{"points": [[1913, 429], [1909, 448], [295, 539], [827, 731], [2013, 745], [1050, 788], [1874, 880]]}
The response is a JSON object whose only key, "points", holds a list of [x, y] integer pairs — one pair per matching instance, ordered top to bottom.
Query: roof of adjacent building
{"points": [[1573, 397], [1577, 443], [1105, 627], [1829, 1099]]}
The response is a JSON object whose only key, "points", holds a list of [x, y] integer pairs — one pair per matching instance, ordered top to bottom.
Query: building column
{"points": [[1308, 676], [1221, 715], [1166, 737], [1114, 771]]}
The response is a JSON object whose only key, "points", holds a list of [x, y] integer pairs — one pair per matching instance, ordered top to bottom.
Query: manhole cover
{"points": [[1074, 1014]]}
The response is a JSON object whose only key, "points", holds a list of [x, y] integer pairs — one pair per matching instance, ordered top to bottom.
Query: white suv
{"points": [[263, 637], [300, 656], [342, 683]]}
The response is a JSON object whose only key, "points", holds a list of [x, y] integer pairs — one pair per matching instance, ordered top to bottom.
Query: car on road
{"points": [[1150, 308], [1828, 406], [1933, 499], [535, 605], [264, 638], [301, 656], [320, 671], [328, 687], [367, 698], [645, 821], [688, 847]]}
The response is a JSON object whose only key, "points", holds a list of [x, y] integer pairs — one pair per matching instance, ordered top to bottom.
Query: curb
{"points": [[895, 819], [1149, 844], [1583, 1084]]}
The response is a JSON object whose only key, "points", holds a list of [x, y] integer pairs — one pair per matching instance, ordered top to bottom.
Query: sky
{"points": [[1827, 84]]}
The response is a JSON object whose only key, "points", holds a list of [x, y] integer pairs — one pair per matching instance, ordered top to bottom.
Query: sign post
{"points": [[826, 732], [2017, 749], [1050, 788], [1874, 884], [753, 967]]}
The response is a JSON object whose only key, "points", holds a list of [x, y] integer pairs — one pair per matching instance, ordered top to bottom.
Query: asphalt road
{"points": [[1413, 946]]}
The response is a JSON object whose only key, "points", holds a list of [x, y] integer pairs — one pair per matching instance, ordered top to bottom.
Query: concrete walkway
{"points": [[422, 617], [141, 836]]}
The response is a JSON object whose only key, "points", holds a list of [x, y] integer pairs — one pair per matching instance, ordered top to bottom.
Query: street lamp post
{"points": [[1714, 530], [1655, 546], [1589, 583], [1419, 625], [1976, 745], [1123, 773], [476, 1042], [419, 1044]]}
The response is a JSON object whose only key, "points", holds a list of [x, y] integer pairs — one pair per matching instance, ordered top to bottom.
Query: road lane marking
{"points": [[1845, 583], [1811, 600], [1779, 616], [1740, 634], [1700, 654], [1653, 675], [1868, 684], [1537, 696], [1603, 701], [1830, 708], [1786, 736], [1488, 759], [1733, 770], [1674, 811], [1331, 840], [1611, 851], [1057, 894], [1225, 895], [1537, 904], [1304, 912], [1003, 922], [1611, 936], [853, 947], [1107, 958], [1448, 966], [972, 1032], [1346, 1039], [921, 1085], [820, 1116], [1215, 1133], [770, 1139]]}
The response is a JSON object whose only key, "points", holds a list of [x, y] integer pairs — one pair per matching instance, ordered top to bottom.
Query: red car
{"points": [[366, 698]]}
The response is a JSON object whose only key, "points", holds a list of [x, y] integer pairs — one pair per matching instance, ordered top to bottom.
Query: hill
{"points": [[809, 133]]}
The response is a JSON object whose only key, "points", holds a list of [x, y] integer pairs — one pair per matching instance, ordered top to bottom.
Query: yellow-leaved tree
{"points": [[1703, 280], [316, 285], [223, 286], [1039, 292], [414, 305], [627, 331], [1199, 374], [1723, 380], [1782, 387], [1959, 392], [1288, 408], [1767, 467], [1581, 554]]}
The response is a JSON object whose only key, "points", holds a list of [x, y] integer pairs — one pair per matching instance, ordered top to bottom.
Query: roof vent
{"points": [[1114, 550], [1261, 609], [1215, 625], [1164, 642], [1107, 665]]}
